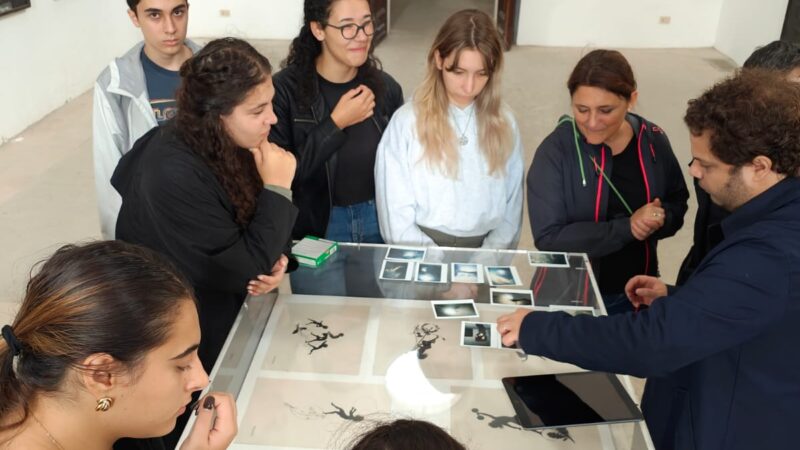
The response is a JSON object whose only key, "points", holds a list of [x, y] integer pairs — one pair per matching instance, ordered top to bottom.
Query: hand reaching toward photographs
{"points": [[355, 106], [275, 165], [647, 220], [265, 283], [643, 289], [509, 326], [215, 426]]}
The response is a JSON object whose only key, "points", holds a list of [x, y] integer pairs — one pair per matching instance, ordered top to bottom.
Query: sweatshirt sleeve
{"points": [[108, 142], [394, 184], [547, 208], [506, 235], [733, 299]]}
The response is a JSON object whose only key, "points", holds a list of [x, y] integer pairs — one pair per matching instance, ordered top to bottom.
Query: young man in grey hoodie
{"points": [[136, 92]]}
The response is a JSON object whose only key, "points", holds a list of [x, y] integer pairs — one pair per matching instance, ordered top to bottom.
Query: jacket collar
{"points": [[128, 78], [785, 192]]}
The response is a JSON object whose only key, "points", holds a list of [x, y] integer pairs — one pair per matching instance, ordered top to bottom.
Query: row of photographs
{"points": [[417, 254], [395, 270], [466, 309]]}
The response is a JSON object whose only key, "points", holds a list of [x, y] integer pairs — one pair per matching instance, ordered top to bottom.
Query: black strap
{"points": [[13, 343]]}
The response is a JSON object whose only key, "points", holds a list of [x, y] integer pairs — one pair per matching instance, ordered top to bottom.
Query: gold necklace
{"points": [[52, 439]]}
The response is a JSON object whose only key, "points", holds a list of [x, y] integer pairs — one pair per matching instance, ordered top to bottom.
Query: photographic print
{"points": [[406, 253], [548, 259], [396, 270], [431, 273], [466, 273], [502, 276], [511, 297], [454, 309], [574, 310], [479, 334]]}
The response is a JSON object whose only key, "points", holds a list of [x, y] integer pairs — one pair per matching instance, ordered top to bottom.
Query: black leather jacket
{"points": [[312, 136]]}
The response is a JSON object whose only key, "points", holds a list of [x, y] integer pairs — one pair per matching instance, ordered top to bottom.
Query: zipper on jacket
{"points": [[327, 168]]}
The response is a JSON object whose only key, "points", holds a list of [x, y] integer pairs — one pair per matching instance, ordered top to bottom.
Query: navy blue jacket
{"points": [[565, 212], [721, 352]]}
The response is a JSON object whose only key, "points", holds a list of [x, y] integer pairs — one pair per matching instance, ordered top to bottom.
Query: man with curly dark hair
{"points": [[780, 56], [718, 352]]}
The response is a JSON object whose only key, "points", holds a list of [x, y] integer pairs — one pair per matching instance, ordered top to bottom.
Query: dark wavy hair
{"points": [[305, 49], [777, 55], [604, 69], [213, 82], [754, 112], [103, 297], [403, 434]]}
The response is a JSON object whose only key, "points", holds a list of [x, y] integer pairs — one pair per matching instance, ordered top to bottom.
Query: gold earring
{"points": [[104, 404]]}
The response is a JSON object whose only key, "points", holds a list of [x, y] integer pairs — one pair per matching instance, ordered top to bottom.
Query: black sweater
{"points": [[173, 203]]}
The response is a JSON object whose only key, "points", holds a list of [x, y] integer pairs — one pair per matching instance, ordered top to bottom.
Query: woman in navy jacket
{"points": [[606, 182]]}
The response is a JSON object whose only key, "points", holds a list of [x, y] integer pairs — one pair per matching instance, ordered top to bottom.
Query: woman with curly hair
{"points": [[333, 102], [449, 168], [208, 190]]}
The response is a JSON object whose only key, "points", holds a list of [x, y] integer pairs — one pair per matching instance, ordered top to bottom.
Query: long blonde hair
{"points": [[469, 29]]}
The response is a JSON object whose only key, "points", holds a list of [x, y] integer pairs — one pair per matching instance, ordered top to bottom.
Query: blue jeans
{"points": [[354, 223]]}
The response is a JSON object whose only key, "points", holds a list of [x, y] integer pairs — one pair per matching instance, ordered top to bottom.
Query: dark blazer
{"points": [[312, 136], [563, 189], [173, 203], [720, 353]]}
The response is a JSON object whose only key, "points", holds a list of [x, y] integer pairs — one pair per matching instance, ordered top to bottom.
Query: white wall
{"points": [[250, 19], [620, 23], [745, 25], [52, 52]]}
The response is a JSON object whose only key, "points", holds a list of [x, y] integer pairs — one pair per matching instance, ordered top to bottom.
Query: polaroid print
{"points": [[406, 253], [548, 259], [396, 270], [431, 273], [466, 273], [502, 276], [511, 297], [454, 309], [574, 310], [479, 334]]}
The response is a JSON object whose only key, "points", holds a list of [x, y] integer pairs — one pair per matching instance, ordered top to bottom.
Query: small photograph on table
{"points": [[406, 253], [548, 259], [396, 270], [431, 273], [467, 273], [502, 276], [511, 297], [454, 309], [574, 310], [479, 334]]}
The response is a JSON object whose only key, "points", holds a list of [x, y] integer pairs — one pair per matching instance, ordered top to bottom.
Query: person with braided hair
{"points": [[104, 346]]}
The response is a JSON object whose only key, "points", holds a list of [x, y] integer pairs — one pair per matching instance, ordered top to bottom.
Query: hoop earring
{"points": [[104, 404]]}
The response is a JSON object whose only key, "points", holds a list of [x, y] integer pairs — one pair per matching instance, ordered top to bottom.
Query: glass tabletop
{"points": [[350, 346]]}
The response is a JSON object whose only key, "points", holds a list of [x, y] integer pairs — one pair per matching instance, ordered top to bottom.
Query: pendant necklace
{"points": [[463, 139], [52, 439]]}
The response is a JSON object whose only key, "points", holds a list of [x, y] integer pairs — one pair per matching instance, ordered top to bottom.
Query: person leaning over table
{"points": [[333, 102], [449, 167], [606, 182], [210, 192], [103, 347], [719, 353]]}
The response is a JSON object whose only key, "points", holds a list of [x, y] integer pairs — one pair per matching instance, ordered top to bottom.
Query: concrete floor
{"points": [[46, 187]]}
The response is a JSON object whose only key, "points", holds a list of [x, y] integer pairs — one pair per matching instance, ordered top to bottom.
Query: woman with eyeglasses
{"points": [[333, 102], [449, 168], [606, 182]]}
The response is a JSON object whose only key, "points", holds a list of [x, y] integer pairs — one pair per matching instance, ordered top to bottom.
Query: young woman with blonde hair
{"points": [[449, 167]]}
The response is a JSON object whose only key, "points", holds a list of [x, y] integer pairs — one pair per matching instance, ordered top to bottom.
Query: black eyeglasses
{"points": [[350, 31]]}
